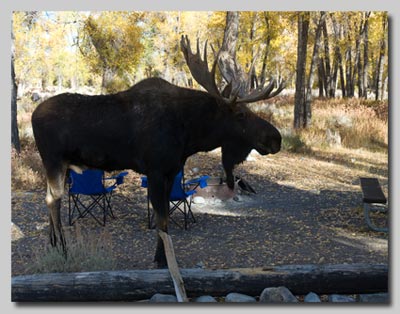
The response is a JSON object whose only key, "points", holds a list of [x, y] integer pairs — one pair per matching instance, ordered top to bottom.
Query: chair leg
{"points": [[96, 201], [74, 205], [175, 205], [109, 207], [75, 208], [87, 209], [190, 209], [69, 210], [104, 210], [186, 211], [185, 214]]}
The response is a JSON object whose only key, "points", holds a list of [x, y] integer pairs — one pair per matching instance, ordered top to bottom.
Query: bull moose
{"points": [[151, 128]]}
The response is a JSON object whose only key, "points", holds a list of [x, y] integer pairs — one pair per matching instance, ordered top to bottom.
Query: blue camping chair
{"points": [[87, 192], [180, 193]]}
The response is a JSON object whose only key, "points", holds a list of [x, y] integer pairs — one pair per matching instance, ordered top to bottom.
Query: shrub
{"points": [[360, 123], [367, 130], [294, 143], [26, 169], [86, 252]]}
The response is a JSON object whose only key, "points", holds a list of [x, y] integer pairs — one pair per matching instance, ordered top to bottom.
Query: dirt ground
{"points": [[307, 210]]}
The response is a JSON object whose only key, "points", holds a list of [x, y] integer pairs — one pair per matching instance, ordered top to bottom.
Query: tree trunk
{"points": [[231, 33], [365, 56], [381, 60], [314, 61], [335, 62], [348, 63], [362, 63], [337, 65], [359, 68], [230, 69], [327, 70], [349, 70], [263, 76], [253, 77], [321, 77], [107, 79], [342, 79], [385, 85], [332, 87], [14, 91], [300, 112], [133, 285]]}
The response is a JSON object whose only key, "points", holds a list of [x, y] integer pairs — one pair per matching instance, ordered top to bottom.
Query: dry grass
{"points": [[358, 124], [26, 169], [85, 253]]}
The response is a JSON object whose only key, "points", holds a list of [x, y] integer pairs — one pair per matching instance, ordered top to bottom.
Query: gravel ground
{"points": [[307, 210]]}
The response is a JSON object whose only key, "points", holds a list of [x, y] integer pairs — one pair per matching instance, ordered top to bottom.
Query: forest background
{"points": [[335, 65]]}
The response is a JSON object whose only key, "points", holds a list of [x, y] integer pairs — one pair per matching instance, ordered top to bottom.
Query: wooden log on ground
{"points": [[142, 284]]}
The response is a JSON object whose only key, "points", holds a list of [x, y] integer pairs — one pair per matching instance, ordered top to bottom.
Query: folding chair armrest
{"points": [[119, 178], [202, 181], [144, 182], [110, 188], [190, 193]]}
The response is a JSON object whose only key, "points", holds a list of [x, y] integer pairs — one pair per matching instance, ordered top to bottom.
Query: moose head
{"points": [[248, 130]]}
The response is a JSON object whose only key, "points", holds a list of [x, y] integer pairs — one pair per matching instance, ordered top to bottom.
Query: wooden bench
{"points": [[374, 200]]}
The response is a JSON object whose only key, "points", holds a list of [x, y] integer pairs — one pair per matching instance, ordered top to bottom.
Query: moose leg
{"points": [[231, 156], [229, 176], [55, 190], [159, 190]]}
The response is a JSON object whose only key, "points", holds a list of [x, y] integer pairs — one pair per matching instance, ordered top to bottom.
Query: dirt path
{"points": [[307, 210]]}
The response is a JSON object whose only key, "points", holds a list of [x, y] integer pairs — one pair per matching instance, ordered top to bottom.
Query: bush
{"points": [[360, 124], [367, 130], [294, 144], [27, 171], [85, 253]]}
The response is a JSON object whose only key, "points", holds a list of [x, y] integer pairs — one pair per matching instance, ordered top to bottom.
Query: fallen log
{"points": [[135, 285]]}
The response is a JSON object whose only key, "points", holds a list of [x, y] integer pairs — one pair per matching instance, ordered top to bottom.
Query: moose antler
{"points": [[199, 67], [239, 89], [263, 93]]}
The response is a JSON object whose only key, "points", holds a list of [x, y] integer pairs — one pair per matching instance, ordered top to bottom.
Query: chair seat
{"points": [[88, 193], [180, 199]]}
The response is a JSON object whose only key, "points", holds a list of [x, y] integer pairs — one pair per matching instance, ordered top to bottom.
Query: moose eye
{"points": [[241, 115]]}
